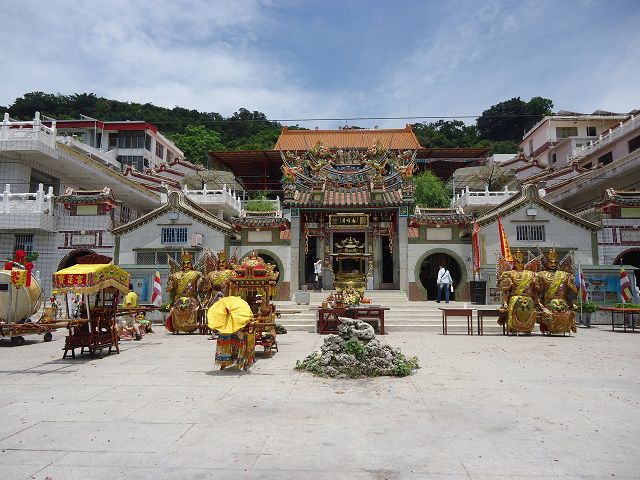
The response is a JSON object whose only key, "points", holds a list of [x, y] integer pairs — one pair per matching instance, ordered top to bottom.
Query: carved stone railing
{"points": [[29, 130], [212, 198], [469, 198], [37, 202]]}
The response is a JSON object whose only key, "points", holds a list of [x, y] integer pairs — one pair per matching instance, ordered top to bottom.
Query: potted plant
{"points": [[164, 311], [584, 311]]}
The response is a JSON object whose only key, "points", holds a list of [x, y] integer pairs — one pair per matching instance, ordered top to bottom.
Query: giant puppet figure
{"points": [[557, 284], [183, 290], [520, 292]]}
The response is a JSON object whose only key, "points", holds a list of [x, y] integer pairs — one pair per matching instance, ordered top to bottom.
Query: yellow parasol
{"points": [[229, 314]]}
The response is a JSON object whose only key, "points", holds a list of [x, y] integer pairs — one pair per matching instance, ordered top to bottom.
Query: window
{"points": [[565, 132], [591, 132], [131, 139], [113, 141], [147, 142], [634, 144], [530, 147], [160, 151], [553, 158], [606, 159], [135, 161], [47, 181], [533, 233], [174, 235], [24, 241], [152, 257]]}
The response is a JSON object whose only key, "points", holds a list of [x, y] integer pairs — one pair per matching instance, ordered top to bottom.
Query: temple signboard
{"points": [[349, 220]]}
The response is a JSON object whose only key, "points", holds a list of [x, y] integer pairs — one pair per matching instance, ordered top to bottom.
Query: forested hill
{"points": [[500, 127], [244, 130]]}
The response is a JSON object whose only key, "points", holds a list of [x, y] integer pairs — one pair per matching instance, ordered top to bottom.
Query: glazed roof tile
{"points": [[395, 139], [348, 198]]}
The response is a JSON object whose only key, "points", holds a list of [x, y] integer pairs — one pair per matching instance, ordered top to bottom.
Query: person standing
{"points": [[317, 271], [444, 283], [129, 320]]}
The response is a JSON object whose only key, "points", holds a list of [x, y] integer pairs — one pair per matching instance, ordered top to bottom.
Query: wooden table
{"points": [[624, 311], [457, 312], [488, 312], [328, 318]]}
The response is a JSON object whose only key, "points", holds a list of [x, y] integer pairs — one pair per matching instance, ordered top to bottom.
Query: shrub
{"points": [[586, 307]]}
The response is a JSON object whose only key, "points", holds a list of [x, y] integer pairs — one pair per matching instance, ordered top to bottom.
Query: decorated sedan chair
{"points": [[255, 282]]}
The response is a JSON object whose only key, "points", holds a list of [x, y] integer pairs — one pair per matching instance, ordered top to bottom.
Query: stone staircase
{"points": [[403, 316]]}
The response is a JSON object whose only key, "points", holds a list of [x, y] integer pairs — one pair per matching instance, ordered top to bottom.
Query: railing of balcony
{"points": [[29, 130], [606, 138], [207, 196], [485, 196], [38, 202], [276, 209]]}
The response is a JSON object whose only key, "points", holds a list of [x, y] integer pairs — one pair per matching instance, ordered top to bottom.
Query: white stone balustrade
{"points": [[31, 130], [605, 139], [107, 157], [215, 198], [483, 198], [37, 202]]}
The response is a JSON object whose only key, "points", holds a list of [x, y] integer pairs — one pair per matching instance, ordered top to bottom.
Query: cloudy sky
{"points": [[299, 59]]}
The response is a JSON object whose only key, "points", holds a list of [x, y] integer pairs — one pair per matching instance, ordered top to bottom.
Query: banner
{"points": [[504, 243], [475, 245], [582, 285], [625, 286], [156, 296]]}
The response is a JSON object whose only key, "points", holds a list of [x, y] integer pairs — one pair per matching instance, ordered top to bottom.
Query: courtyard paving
{"points": [[480, 407]]}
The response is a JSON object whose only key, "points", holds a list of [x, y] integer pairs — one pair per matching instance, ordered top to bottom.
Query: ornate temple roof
{"points": [[394, 139], [72, 196], [348, 197], [622, 198], [439, 216], [266, 221]]}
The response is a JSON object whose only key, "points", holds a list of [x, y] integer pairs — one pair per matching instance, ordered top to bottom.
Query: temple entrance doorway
{"points": [[337, 237], [630, 257], [309, 259], [387, 265], [429, 273]]}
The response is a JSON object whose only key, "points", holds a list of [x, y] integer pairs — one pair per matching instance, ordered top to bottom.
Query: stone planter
{"points": [[302, 298], [584, 318]]}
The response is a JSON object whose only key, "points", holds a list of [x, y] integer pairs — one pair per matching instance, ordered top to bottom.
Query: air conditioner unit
{"points": [[196, 240]]}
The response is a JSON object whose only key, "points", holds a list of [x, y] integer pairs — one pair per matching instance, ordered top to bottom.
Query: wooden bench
{"points": [[457, 312], [489, 312]]}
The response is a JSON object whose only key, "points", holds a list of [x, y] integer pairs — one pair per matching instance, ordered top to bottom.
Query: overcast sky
{"points": [[327, 58]]}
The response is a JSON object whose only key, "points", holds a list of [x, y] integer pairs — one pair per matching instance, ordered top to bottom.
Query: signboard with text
{"points": [[349, 220]]}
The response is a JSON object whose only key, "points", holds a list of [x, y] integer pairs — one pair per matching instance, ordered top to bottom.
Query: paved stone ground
{"points": [[481, 407]]}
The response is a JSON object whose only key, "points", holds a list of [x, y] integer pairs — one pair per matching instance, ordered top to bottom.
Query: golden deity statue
{"points": [[556, 284], [183, 287], [520, 292]]}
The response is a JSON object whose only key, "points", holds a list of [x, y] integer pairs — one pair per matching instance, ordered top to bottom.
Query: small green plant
{"points": [[627, 305], [586, 307], [355, 348]]}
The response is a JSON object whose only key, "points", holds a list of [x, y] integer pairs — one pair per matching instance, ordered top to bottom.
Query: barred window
{"points": [[530, 233], [174, 235], [24, 241], [152, 257]]}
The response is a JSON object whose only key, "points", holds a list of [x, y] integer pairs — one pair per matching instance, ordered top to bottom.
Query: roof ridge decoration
{"points": [[321, 170], [176, 200]]}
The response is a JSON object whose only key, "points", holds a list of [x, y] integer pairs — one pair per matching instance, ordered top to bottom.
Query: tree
{"points": [[509, 120], [446, 134], [196, 142], [494, 176], [213, 179], [430, 191]]}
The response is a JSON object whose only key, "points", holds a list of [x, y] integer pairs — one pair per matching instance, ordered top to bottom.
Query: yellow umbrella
{"points": [[229, 314]]}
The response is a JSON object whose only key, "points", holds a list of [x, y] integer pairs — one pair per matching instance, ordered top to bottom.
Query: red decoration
{"points": [[20, 255], [8, 265], [28, 267]]}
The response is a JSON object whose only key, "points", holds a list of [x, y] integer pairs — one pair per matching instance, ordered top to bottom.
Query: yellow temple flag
{"points": [[504, 243]]}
